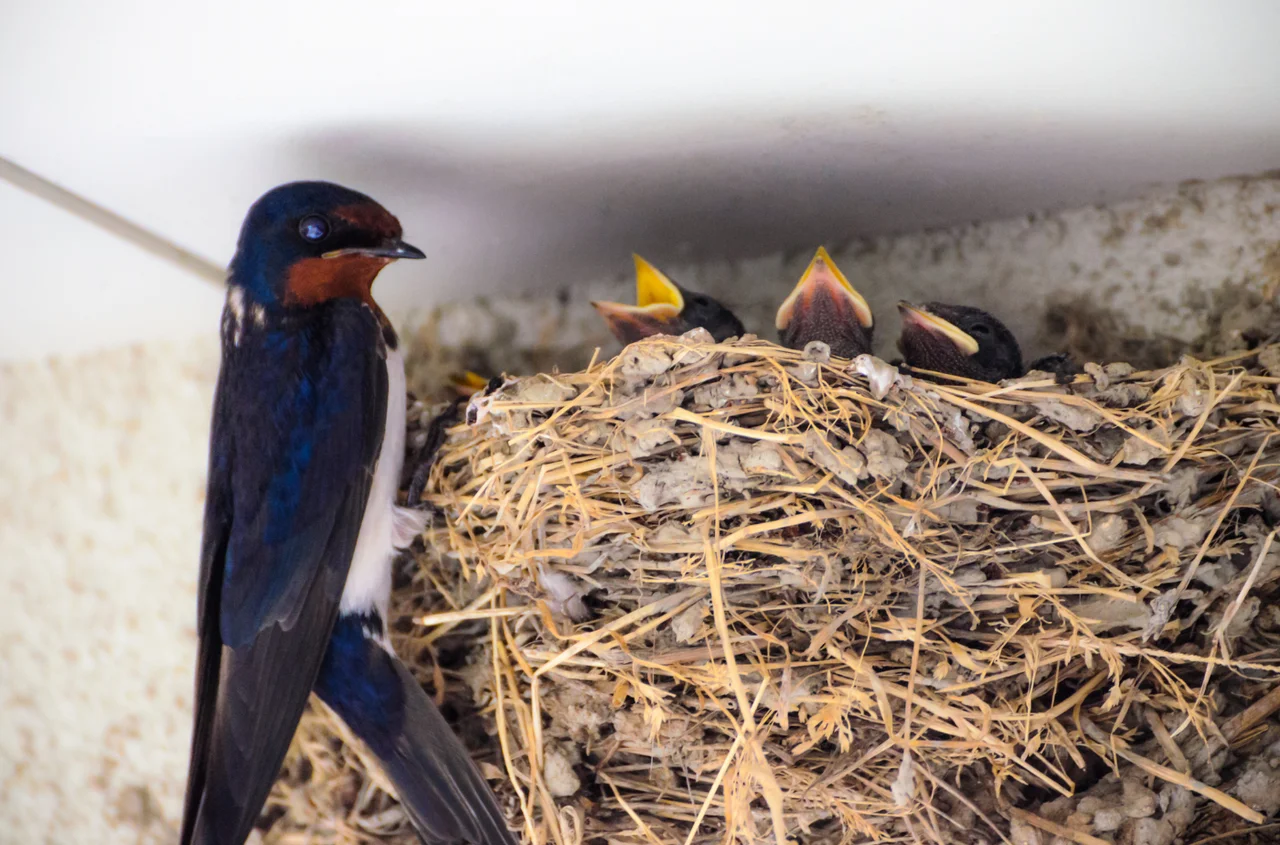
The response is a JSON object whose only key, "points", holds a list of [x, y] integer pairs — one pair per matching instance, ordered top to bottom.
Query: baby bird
{"points": [[824, 306], [664, 307], [958, 340]]}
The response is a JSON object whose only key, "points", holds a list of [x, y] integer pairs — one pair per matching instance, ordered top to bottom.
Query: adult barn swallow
{"points": [[824, 306], [664, 307], [958, 340], [301, 527]]}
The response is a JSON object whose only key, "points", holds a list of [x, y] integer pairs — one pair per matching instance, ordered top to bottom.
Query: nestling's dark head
{"points": [[305, 243], [664, 307], [707, 312], [958, 340]]}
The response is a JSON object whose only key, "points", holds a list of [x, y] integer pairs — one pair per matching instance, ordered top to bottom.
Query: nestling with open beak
{"points": [[824, 306], [664, 307], [958, 340]]}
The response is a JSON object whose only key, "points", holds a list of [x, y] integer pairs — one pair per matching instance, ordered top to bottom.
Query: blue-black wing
{"points": [[297, 427]]}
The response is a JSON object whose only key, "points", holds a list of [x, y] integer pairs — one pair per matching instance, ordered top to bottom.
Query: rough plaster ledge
{"points": [[1164, 270]]}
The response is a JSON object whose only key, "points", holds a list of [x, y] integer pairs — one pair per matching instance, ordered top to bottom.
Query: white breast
{"points": [[385, 528]]}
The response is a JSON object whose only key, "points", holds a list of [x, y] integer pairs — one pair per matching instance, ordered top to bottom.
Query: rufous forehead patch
{"points": [[369, 217]]}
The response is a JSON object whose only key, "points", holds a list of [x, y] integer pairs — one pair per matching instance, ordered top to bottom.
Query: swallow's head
{"points": [[306, 243], [824, 306], [659, 309], [958, 340]]}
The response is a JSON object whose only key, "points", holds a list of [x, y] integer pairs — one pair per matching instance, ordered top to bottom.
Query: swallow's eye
{"points": [[313, 227], [979, 330]]}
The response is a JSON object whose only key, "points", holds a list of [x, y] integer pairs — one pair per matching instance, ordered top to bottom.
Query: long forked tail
{"points": [[439, 785]]}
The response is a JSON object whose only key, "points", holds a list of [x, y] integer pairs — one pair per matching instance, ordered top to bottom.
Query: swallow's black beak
{"points": [[392, 250]]}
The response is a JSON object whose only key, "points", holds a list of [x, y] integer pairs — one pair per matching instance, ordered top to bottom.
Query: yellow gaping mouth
{"points": [[822, 271], [654, 288], [657, 298], [920, 318]]}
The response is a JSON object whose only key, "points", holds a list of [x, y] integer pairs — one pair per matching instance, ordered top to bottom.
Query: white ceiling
{"points": [[537, 144]]}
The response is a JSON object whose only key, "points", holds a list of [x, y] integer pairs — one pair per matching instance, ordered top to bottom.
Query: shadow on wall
{"points": [[738, 187]]}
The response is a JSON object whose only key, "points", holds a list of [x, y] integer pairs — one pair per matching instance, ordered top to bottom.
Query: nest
{"points": [[704, 593]]}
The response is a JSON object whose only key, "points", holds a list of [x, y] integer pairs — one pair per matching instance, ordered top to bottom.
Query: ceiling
{"points": [[532, 145]]}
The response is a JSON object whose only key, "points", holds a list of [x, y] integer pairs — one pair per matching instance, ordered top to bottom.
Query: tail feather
{"points": [[439, 785], [444, 794]]}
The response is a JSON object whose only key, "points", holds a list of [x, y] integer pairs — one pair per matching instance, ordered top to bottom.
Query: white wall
{"points": [[527, 145], [101, 494]]}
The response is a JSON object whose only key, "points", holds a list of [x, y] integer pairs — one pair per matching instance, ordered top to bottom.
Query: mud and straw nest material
{"points": [[703, 593]]}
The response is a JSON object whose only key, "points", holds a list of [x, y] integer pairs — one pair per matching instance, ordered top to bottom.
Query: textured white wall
{"points": [[101, 490]]}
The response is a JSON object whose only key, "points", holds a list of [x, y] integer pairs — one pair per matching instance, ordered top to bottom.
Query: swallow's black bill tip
{"points": [[404, 250]]}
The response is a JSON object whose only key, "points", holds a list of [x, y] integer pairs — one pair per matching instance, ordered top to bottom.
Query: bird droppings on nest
{"points": [[709, 592]]}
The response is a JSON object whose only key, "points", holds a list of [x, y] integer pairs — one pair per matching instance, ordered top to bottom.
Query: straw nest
{"points": [[706, 593]]}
